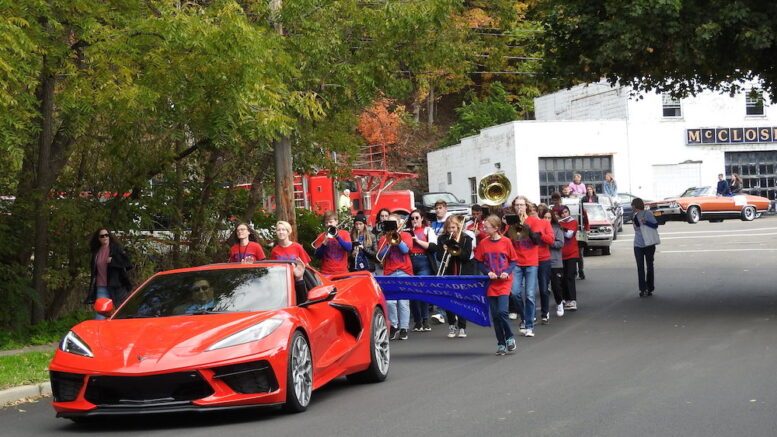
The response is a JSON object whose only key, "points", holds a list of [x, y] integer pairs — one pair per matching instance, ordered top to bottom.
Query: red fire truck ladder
{"points": [[300, 192]]}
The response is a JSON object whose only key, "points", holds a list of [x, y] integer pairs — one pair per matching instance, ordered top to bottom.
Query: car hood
{"points": [[159, 343]]}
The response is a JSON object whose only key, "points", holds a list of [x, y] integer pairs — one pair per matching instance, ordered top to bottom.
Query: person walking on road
{"points": [[645, 240], [496, 258]]}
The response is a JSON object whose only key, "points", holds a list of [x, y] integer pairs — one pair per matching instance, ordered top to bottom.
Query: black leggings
{"points": [[556, 281], [570, 290], [460, 322]]}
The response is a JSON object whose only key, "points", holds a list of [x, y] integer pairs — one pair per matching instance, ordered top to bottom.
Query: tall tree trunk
{"points": [[284, 183], [42, 185], [256, 194], [200, 210]]}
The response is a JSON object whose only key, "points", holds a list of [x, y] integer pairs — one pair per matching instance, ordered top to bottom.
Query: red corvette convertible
{"points": [[222, 336]]}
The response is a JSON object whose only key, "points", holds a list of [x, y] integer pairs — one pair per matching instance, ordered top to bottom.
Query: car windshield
{"points": [[696, 192], [431, 198], [606, 201], [595, 211], [210, 291]]}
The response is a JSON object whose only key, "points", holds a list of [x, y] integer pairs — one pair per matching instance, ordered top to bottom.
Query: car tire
{"points": [[693, 214], [748, 214], [605, 250], [380, 353], [299, 375]]}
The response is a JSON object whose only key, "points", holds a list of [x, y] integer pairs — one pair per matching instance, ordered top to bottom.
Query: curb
{"points": [[24, 393]]}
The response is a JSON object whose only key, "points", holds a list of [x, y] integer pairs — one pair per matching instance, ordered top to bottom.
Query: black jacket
{"points": [[460, 264], [119, 282]]}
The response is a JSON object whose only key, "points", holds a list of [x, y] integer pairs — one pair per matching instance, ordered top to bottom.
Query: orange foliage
{"points": [[379, 125]]}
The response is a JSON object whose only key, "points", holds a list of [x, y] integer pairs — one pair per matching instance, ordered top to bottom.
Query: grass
{"points": [[43, 333], [26, 368]]}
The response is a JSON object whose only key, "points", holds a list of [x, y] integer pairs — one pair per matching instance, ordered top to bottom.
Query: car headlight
{"points": [[674, 205], [606, 229], [254, 333], [71, 343]]}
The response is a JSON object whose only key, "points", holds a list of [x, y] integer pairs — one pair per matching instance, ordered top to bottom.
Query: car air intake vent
{"points": [[245, 378], [65, 386], [147, 390]]}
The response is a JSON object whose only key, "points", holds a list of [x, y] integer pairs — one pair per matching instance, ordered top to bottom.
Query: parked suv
{"points": [[456, 206], [601, 232]]}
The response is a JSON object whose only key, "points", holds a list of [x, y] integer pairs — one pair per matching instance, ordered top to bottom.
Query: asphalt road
{"points": [[699, 358]]}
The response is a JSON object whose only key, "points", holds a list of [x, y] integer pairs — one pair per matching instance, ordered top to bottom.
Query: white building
{"points": [[654, 145]]}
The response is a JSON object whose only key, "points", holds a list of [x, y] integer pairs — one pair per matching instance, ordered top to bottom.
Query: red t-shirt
{"points": [[477, 229], [421, 234], [547, 238], [570, 249], [526, 250], [292, 252], [238, 253], [497, 256], [335, 259], [395, 259]]}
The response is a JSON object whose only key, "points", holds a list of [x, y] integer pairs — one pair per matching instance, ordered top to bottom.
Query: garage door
{"points": [[757, 170], [672, 179]]}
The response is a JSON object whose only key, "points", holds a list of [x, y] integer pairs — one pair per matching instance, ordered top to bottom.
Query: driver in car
{"points": [[202, 296]]}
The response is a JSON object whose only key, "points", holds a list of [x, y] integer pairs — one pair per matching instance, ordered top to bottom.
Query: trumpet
{"points": [[331, 232], [393, 238]]}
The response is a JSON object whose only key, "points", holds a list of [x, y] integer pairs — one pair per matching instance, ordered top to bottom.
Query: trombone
{"points": [[331, 232], [392, 238], [448, 253]]}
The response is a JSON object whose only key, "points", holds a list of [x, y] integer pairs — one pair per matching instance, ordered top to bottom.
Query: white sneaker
{"points": [[568, 305], [573, 306], [560, 310], [513, 316], [438, 318], [545, 319], [451, 331], [462, 333], [529, 333]]}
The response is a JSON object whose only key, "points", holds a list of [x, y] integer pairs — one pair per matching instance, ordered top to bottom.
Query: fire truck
{"points": [[370, 191]]}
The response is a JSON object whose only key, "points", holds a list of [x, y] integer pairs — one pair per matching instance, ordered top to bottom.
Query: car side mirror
{"points": [[320, 294], [104, 306]]}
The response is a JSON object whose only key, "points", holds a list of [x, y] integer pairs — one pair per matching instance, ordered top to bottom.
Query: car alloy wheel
{"points": [[694, 214], [748, 214], [381, 343], [300, 377]]}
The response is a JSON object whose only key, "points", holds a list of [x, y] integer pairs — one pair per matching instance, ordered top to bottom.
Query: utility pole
{"points": [[284, 176]]}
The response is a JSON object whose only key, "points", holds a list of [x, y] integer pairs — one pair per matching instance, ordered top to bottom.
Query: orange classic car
{"points": [[701, 203]]}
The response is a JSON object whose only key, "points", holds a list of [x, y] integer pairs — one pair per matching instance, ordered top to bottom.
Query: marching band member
{"points": [[441, 212], [475, 224], [526, 236], [424, 242], [364, 245], [455, 246], [245, 249], [286, 249], [333, 249], [569, 255], [496, 258], [396, 262], [556, 262], [545, 264]]}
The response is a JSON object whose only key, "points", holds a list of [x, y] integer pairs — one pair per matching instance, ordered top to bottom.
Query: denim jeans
{"points": [[645, 255], [421, 267], [543, 279], [524, 286], [102, 292], [399, 308], [499, 316]]}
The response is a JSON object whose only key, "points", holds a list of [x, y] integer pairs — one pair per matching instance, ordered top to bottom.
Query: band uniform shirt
{"points": [[570, 249], [292, 252], [238, 253], [497, 256], [335, 257], [395, 259]]}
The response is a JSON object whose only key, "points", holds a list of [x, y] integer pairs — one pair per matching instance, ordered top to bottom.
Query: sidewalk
{"points": [[25, 393]]}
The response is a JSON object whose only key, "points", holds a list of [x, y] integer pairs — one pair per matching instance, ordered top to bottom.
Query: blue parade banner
{"points": [[463, 295]]}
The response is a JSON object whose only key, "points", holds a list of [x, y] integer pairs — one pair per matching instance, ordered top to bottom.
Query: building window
{"points": [[754, 102], [671, 106], [758, 170], [557, 172], [450, 178], [473, 191]]}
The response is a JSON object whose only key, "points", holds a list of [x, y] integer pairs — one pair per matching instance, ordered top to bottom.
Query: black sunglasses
{"points": [[103, 235]]}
